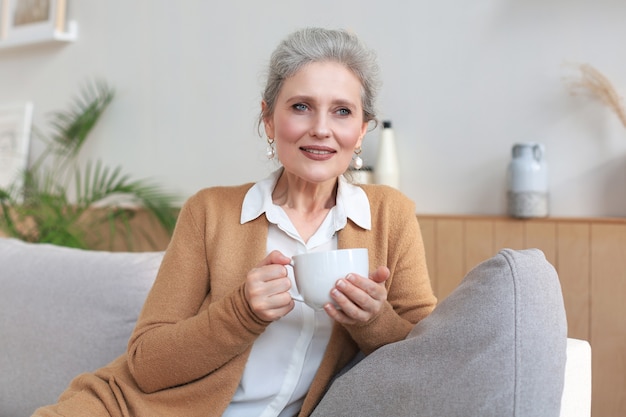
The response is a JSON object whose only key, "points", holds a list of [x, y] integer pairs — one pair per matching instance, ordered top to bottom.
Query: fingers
{"points": [[275, 257], [380, 275], [267, 281], [267, 287], [358, 290], [359, 298], [338, 315]]}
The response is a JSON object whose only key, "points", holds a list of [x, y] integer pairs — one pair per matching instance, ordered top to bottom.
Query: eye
{"points": [[300, 107], [344, 112]]}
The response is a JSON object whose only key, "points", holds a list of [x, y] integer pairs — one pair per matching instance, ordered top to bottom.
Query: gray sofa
{"points": [[66, 311], [63, 312]]}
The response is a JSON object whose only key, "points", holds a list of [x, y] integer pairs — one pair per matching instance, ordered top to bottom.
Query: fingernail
{"points": [[350, 277], [341, 283]]}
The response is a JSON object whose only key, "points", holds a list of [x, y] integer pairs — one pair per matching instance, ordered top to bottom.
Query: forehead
{"points": [[323, 78]]}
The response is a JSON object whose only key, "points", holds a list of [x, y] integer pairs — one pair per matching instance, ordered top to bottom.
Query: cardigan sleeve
{"points": [[396, 242], [182, 334]]}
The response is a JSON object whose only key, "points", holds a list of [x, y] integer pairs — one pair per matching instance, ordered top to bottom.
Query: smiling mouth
{"points": [[317, 151]]}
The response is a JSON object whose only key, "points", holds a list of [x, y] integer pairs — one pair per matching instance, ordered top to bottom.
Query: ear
{"points": [[268, 122], [363, 132]]}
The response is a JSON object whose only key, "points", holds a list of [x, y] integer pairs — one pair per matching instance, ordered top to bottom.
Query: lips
{"points": [[318, 153]]}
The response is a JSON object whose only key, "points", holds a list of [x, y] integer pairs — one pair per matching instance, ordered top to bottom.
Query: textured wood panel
{"points": [[427, 227], [509, 234], [542, 235], [479, 243], [449, 256], [573, 265], [608, 319]]}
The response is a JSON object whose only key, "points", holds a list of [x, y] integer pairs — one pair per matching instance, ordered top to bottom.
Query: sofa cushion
{"points": [[63, 312], [494, 347]]}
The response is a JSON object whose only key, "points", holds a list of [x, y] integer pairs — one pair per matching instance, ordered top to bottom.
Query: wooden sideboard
{"points": [[590, 258]]}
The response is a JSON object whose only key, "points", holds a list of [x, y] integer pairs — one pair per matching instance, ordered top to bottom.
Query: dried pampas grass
{"points": [[599, 85]]}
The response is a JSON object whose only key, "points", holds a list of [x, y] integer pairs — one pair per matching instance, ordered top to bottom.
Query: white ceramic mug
{"points": [[316, 273]]}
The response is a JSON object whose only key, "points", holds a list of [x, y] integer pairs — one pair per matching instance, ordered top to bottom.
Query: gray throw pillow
{"points": [[63, 312], [494, 347]]}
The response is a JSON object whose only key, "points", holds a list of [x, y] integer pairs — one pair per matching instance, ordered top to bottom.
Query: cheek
{"points": [[289, 129], [350, 137]]}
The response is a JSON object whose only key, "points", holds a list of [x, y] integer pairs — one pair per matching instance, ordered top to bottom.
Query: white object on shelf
{"points": [[386, 170], [527, 181]]}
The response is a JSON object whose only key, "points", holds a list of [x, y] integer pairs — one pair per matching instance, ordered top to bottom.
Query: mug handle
{"points": [[299, 296]]}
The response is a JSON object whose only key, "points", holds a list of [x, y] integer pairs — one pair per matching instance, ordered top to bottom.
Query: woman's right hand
{"points": [[267, 287]]}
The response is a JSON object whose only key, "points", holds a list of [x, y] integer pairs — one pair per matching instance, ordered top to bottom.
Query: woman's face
{"points": [[317, 121]]}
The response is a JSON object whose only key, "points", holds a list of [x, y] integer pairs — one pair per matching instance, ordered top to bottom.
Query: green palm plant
{"points": [[39, 207]]}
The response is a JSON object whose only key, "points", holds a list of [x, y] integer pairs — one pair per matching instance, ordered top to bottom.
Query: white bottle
{"points": [[387, 171]]}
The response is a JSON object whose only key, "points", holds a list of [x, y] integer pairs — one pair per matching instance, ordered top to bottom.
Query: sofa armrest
{"points": [[576, 399]]}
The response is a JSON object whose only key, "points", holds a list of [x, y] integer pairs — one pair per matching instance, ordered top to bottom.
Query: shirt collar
{"points": [[352, 202]]}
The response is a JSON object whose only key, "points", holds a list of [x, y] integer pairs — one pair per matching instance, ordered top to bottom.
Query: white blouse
{"points": [[286, 356]]}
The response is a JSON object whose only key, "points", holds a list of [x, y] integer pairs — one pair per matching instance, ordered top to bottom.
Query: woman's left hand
{"points": [[359, 298]]}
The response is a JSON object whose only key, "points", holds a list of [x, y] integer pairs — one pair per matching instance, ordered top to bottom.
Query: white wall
{"points": [[463, 81]]}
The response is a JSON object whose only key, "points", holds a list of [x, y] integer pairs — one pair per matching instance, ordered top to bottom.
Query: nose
{"points": [[320, 128]]}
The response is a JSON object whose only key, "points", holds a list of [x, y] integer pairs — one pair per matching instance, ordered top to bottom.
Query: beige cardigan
{"points": [[191, 342]]}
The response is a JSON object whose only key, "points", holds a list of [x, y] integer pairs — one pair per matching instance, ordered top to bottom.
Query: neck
{"points": [[297, 194]]}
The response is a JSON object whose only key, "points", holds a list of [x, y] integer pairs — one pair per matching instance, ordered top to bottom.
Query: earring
{"points": [[270, 152], [357, 162]]}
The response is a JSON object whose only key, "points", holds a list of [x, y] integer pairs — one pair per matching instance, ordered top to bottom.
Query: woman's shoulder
{"points": [[219, 195]]}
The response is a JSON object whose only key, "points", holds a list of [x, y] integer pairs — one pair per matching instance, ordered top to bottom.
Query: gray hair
{"points": [[318, 45]]}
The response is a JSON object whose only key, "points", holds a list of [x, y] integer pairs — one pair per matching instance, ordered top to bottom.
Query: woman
{"points": [[219, 333]]}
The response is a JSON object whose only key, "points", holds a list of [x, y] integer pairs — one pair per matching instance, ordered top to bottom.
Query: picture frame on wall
{"points": [[4, 18], [32, 20], [15, 129]]}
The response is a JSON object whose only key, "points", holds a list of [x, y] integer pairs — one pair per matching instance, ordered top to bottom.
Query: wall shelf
{"points": [[53, 36]]}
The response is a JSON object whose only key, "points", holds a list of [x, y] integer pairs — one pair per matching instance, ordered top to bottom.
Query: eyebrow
{"points": [[305, 98]]}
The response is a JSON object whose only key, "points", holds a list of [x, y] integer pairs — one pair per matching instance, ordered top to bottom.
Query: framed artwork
{"points": [[4, 18], [29, 20], [15, 124]]}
